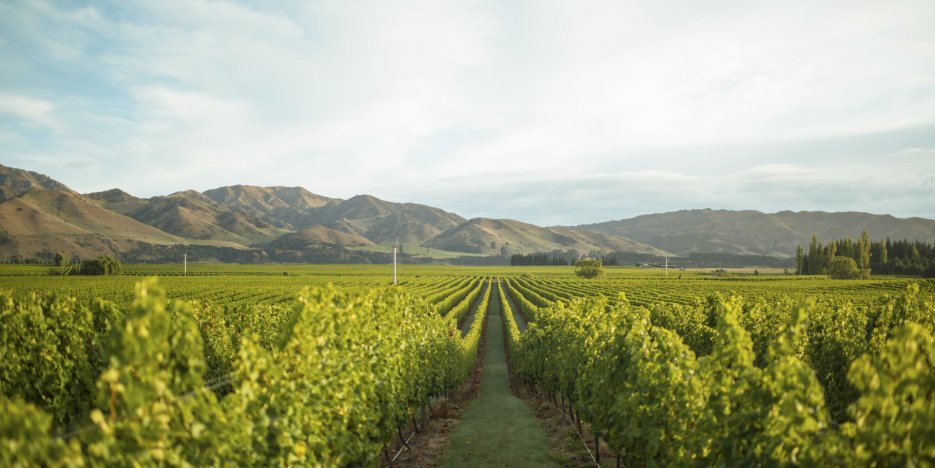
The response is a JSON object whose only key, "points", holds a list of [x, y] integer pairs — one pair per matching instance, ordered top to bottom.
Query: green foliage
{"points": [[863, 251], [884, 257], [60, 259], [104, 265], [589, 268], [843, 268], [448, 298], [527, 308], [459, 310], [690, 322], [222, 329], [513, 333], [836, 336], [471, 341], [52, 351], [381, 353], [669, 374], [328, 384], [645, 392], [153, 407], [774, 415], [894, 418], [25, 439]]}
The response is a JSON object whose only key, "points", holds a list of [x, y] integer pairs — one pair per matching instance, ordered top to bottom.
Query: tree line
{"points": [[888, 257], [557, 258], [537, 259], [103, 265]]}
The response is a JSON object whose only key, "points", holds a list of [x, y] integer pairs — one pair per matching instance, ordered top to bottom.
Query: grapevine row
{"points": [[329, 380], [657, 400]]}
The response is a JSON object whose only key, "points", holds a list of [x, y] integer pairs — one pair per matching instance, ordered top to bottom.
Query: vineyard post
{"points": [[395, 246]]}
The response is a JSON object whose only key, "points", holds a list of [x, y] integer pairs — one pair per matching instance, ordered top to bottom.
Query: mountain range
{"points": [[39, 216], [754, 233]]}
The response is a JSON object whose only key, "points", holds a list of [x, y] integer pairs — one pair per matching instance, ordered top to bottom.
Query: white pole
{"points": [[395, 246], [185, 264], [667, 266]]}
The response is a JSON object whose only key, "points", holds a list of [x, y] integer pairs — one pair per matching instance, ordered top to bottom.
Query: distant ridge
{"points": [[15, 182], [117, 200], [283, 207], [39, 215], [56, 220], [383, 222], [756, 233], [318, 235], [495, 236]]}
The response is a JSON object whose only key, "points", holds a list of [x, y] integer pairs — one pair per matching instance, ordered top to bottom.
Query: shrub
{"points": [[104, 265], [589, 268]]}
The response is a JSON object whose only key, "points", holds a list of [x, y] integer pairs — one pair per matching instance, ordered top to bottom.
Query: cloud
{"points": [[31, 109], [550, 111], [927, 154], [575, 198]]}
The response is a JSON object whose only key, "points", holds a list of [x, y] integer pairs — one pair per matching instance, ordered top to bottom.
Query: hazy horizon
{"points": [[545, 112]]}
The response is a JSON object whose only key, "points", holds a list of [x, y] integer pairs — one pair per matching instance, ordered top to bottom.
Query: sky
{"points": [[551, 112]]}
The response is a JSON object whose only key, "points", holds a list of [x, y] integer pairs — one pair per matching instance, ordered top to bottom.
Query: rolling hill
{"points": [[14, 182], [117, 200], [282, 207], [295, 208], [39, 215], [193, 215], [55, 220], [113, 221], [383, 222], [756, 233], [319, 235], [492, 236]]}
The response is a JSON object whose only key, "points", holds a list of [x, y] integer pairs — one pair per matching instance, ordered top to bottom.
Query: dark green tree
{"points": [[863, 247], [814, 259], [799, 260], [104, 265], [589, 268], [843, 268]]}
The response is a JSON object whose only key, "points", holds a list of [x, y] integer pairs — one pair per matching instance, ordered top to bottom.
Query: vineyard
{"points": [[331, 365]]}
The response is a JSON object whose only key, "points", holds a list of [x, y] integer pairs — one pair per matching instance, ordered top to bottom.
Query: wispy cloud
{"points": [[26, 108], [549, 111], [919, 153]]}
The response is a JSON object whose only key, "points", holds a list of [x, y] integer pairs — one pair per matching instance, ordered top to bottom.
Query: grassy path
{"points": [[497, 429]]}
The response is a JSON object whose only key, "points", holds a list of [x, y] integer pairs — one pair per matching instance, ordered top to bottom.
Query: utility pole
{"points": [[395, 247], [185, 262]]}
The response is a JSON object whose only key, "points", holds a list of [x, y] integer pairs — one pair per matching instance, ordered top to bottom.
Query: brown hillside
{"points": [[14, 182], [117, 200], [282, 207], [193, 215], [54, 220], [384, 222], [752, 232], [318, 235], [489, 236]]}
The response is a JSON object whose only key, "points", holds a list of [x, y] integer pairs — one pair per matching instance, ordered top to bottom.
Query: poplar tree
{"points": [[863, 246], [799, 260]]}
